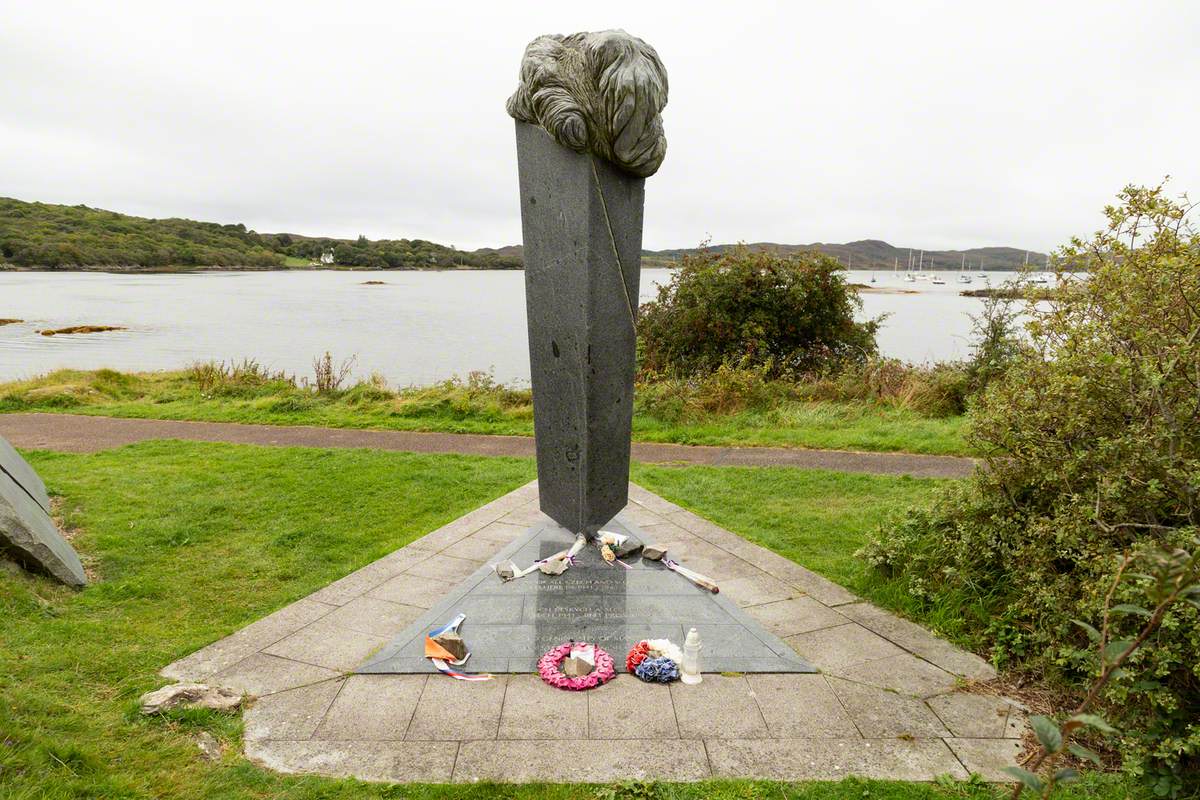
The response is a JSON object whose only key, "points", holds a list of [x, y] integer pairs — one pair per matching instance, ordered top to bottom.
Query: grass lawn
{"points": [[457, 407], [818, 519], [191, 541]]}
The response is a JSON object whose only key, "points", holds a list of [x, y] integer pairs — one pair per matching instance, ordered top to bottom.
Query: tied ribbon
{"points": [[443, 665], [445, 669]]}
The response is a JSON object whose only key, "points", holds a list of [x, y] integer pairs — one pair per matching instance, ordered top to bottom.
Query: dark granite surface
{"points": [[581, 222], [510, 625]]}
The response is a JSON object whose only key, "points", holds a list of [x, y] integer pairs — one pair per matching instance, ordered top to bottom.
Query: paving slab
{"points": [[651, 501], [525, 515], [644, 517], [663, 531], [499, 532], [475, 548], [443, 567], [358, 583], [412, 590], [758, 590], [797, 615], [373, 616], [252, 639], [915, 639], [326, 644], [842, 646], [904, 673], [261, 674], [721, 705], [801, 706], [372, 707], [627, 708], [450, 709], [535, 710], [291, 714], [882, 714], [976, 716], [1016, 725], [987, 758], [833, 759], [582, 761], [386, 762]]}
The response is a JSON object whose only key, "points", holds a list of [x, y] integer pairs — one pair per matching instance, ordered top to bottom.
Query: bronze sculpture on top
{"points": [[589, 131]]}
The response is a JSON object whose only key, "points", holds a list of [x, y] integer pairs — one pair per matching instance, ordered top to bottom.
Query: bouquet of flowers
{"points": [[654, 660]]}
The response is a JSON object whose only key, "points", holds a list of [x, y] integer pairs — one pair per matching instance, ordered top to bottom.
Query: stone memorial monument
{"points": [[589, 131], [27, 533]]}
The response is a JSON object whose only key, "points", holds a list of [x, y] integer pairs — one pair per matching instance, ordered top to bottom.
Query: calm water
{"points": [[417, 328]]}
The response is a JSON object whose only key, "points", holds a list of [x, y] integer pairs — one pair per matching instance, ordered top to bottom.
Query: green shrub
{"points": [[754, 309], [996, 341], [247, 378], [725, 390], [936, 390], [365, 393], [479, 395], [1093, 436]]}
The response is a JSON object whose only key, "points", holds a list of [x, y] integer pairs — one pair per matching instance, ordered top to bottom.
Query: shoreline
{"points": [[216, 268], [183, 270]]}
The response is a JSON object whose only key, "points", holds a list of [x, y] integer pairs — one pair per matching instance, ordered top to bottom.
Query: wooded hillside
{"points": [[42, 235]]}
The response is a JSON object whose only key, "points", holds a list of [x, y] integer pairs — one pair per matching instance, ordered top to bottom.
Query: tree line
{"points": [[47, 236]]}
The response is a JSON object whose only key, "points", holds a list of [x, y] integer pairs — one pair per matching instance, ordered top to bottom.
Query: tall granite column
{"points": [[589, 131]]}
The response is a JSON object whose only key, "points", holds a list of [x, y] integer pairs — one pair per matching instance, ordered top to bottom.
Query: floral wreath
{"points": [[654, 660], [549, 667]]}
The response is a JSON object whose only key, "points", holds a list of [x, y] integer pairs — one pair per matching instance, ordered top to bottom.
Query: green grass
{"points": [[474, 406], [824, 425], [816, 518], [191, 541]]}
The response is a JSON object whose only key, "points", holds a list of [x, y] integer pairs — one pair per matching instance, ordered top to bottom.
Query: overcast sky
{"points": [[937, 125]]}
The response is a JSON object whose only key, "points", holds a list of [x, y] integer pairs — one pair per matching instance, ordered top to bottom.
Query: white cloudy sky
{"points": [[925, 124]]}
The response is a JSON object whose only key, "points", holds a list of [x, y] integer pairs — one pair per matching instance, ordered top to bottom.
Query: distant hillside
{"points": [[45, 236], [865, 254], [875, 254]]}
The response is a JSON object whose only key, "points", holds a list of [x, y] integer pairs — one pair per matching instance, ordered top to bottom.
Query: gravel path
{"points": [[86, 434]]}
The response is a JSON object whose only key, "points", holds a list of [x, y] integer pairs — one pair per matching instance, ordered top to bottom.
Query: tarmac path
{"points": [[87, 434]]}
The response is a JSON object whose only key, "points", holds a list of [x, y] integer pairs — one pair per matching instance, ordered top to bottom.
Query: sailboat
{"points": [[908, 275], [963, 277], [1037, 277], [936, 280]]}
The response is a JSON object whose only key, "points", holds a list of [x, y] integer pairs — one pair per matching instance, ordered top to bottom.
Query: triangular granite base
{"points": [[510, 625]]}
